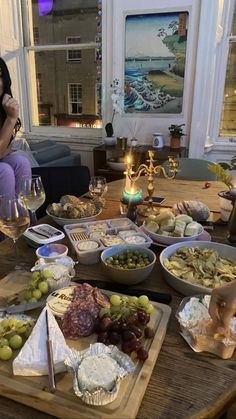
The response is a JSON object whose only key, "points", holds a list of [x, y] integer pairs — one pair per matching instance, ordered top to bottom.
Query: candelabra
{"points": [[149, 170]]}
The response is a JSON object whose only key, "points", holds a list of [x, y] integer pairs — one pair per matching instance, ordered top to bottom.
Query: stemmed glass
{"points": [[97, 188], [34, 194], [14, 218]]}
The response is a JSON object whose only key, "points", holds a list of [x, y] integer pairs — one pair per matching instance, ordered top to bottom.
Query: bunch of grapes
{"points": [[37, 287], [125, 323], [13, 333]]}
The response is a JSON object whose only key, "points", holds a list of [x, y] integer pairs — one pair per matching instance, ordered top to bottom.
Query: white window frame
{"points": [[73, 60], [70, 101], [94, 134]]}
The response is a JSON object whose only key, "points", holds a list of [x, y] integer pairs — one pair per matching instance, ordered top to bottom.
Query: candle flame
{"points": [[128, 159], [132, 191]]}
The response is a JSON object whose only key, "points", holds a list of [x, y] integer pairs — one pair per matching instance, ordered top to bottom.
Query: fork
{"points": [[79, 236]]}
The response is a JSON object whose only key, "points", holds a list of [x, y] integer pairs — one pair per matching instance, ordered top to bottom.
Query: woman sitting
{"points": [[13, 165]]}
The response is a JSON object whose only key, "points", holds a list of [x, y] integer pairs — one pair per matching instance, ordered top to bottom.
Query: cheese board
{"points": [[34, 392]]}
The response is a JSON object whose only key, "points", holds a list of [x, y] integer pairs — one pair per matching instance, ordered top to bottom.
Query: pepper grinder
{"points": [[232, 220]]}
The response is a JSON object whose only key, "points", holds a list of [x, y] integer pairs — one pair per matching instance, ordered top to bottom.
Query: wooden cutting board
{"points": [[33, 391]]}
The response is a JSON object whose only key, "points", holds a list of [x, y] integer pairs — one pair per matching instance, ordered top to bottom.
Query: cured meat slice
{"points": [[82, 291], [101, 298], [77, 322]]}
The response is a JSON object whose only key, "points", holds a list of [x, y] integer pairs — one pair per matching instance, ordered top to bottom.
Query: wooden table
{"points": [[184, 384]]}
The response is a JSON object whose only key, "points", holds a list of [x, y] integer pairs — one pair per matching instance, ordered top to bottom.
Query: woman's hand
{"points": [[10, 106], [223, 304]]}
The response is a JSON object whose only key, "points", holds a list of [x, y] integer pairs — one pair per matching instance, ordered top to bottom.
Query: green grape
{"points": [[46, 274], [35, 276], [43, 287], [27, 294], [37, 294], [32, 300], [115, 300], [125, 300], [133, 300], [143, 300], [149, 308], [115, 309], [104, 311], [4, 323], [12, 323], [22, 329], [28, 331], [3, 342], [16, 342], [5, 353]]}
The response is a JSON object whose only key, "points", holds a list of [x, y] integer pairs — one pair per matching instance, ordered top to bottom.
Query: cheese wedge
{"points": [[32, 359]]}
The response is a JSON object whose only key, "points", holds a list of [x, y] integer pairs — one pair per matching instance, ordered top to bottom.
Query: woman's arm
{"points": [[11, 107], [223, 304]]}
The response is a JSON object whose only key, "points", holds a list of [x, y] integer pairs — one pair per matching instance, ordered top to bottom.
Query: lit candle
{"points": [[128, 173], [134, 196]]}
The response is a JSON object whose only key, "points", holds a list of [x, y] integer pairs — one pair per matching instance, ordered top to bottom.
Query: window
{"points": [[73, 54], [51, 62], [75, 99], [228, 116]]}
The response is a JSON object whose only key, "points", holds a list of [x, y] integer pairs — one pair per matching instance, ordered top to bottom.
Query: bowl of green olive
{"points": [[130, 264]]}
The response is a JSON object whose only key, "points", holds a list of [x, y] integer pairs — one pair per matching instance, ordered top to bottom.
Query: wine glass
{"points": [[97, 188], [34, 194], [14, 218]]}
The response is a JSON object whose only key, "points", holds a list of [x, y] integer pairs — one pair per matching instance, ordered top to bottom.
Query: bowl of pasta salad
{"points": [[198, 266]]}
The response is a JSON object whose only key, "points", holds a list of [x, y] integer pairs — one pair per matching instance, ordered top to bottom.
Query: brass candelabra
{"points": [[150, 170]]}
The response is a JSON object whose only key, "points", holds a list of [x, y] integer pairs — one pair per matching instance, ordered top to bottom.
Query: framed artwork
{"points": [[155, 55]]}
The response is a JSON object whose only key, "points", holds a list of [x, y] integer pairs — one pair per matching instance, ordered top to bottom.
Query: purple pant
{"points": [[12, 168]]}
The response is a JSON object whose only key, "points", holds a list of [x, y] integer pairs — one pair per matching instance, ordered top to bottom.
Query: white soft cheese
{"points": [[87, 245], [192, 312], [32, 359], [97, 371]]}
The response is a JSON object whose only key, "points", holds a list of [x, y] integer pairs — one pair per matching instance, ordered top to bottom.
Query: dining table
{"points": [[183, 384]]}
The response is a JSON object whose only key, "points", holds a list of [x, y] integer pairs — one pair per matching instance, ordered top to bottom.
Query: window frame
{"points": [[28, 47], [73, 60], [78, 102]]}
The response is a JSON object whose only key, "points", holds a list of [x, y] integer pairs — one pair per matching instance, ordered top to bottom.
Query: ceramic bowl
{"points": [[110, 141], [115, 165], [66, 221], [169, 240], [51, 252], [127, 276], [183, 286]]}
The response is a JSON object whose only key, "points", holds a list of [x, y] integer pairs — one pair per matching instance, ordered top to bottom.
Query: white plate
{"points": [[205, 236], [169, 240]]}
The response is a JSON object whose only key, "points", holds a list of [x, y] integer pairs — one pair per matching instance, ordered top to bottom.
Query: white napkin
{"points": [[32, 359]]}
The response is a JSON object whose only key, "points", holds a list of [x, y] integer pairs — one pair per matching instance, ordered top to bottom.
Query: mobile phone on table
{"points": [[155, 199]]}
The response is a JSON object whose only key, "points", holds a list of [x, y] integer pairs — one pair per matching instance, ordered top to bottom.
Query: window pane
{"points": [[57, 19], [233, 31], [65, 92], [228, 118]]}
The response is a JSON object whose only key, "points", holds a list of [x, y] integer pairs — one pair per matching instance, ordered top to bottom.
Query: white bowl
{"points": [[118, 166], [65, 221], [169, 240], [51, 252], [127, 276], [185, 287]]}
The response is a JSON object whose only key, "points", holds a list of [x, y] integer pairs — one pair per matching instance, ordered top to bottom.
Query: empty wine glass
{"points": [[97, 188], [34, 194], [14, 219]]}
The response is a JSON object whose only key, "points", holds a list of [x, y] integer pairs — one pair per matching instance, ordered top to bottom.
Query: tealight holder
{"points": [[131, 200]]}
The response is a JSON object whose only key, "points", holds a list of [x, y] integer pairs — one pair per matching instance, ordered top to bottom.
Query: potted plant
{"points": [[117, 104], [176, 132], [109, 139], [221, 172]]}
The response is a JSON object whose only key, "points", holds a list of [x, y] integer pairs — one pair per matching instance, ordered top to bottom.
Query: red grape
{"points": [[142, 317], [133, 318], [105, 323], [116, 325], [136, 330], [148, 332], [128, 335], [102, 337], [114, 338], [126, 347], [142, 354]]}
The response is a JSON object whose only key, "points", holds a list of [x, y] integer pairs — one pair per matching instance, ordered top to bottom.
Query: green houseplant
{"points": [[176, 132], [221, 172]]}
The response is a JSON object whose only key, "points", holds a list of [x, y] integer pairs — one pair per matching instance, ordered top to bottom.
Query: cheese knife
{"points": [[123, 289], [20, 308], [51, 372]]}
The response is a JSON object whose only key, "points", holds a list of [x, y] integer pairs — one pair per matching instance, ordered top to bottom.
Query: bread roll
{"points": [[195, 209]]}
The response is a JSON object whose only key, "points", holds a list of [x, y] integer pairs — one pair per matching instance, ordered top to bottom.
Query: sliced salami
{"points": [[82, 291], [101, 298], [77, 322]]}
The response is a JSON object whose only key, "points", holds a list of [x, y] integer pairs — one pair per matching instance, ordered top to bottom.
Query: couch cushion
{"points": [[38, 145], [51, 153]]}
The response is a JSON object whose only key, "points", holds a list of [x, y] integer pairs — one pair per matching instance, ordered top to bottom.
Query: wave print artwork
{"points": [[155, 49]]}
